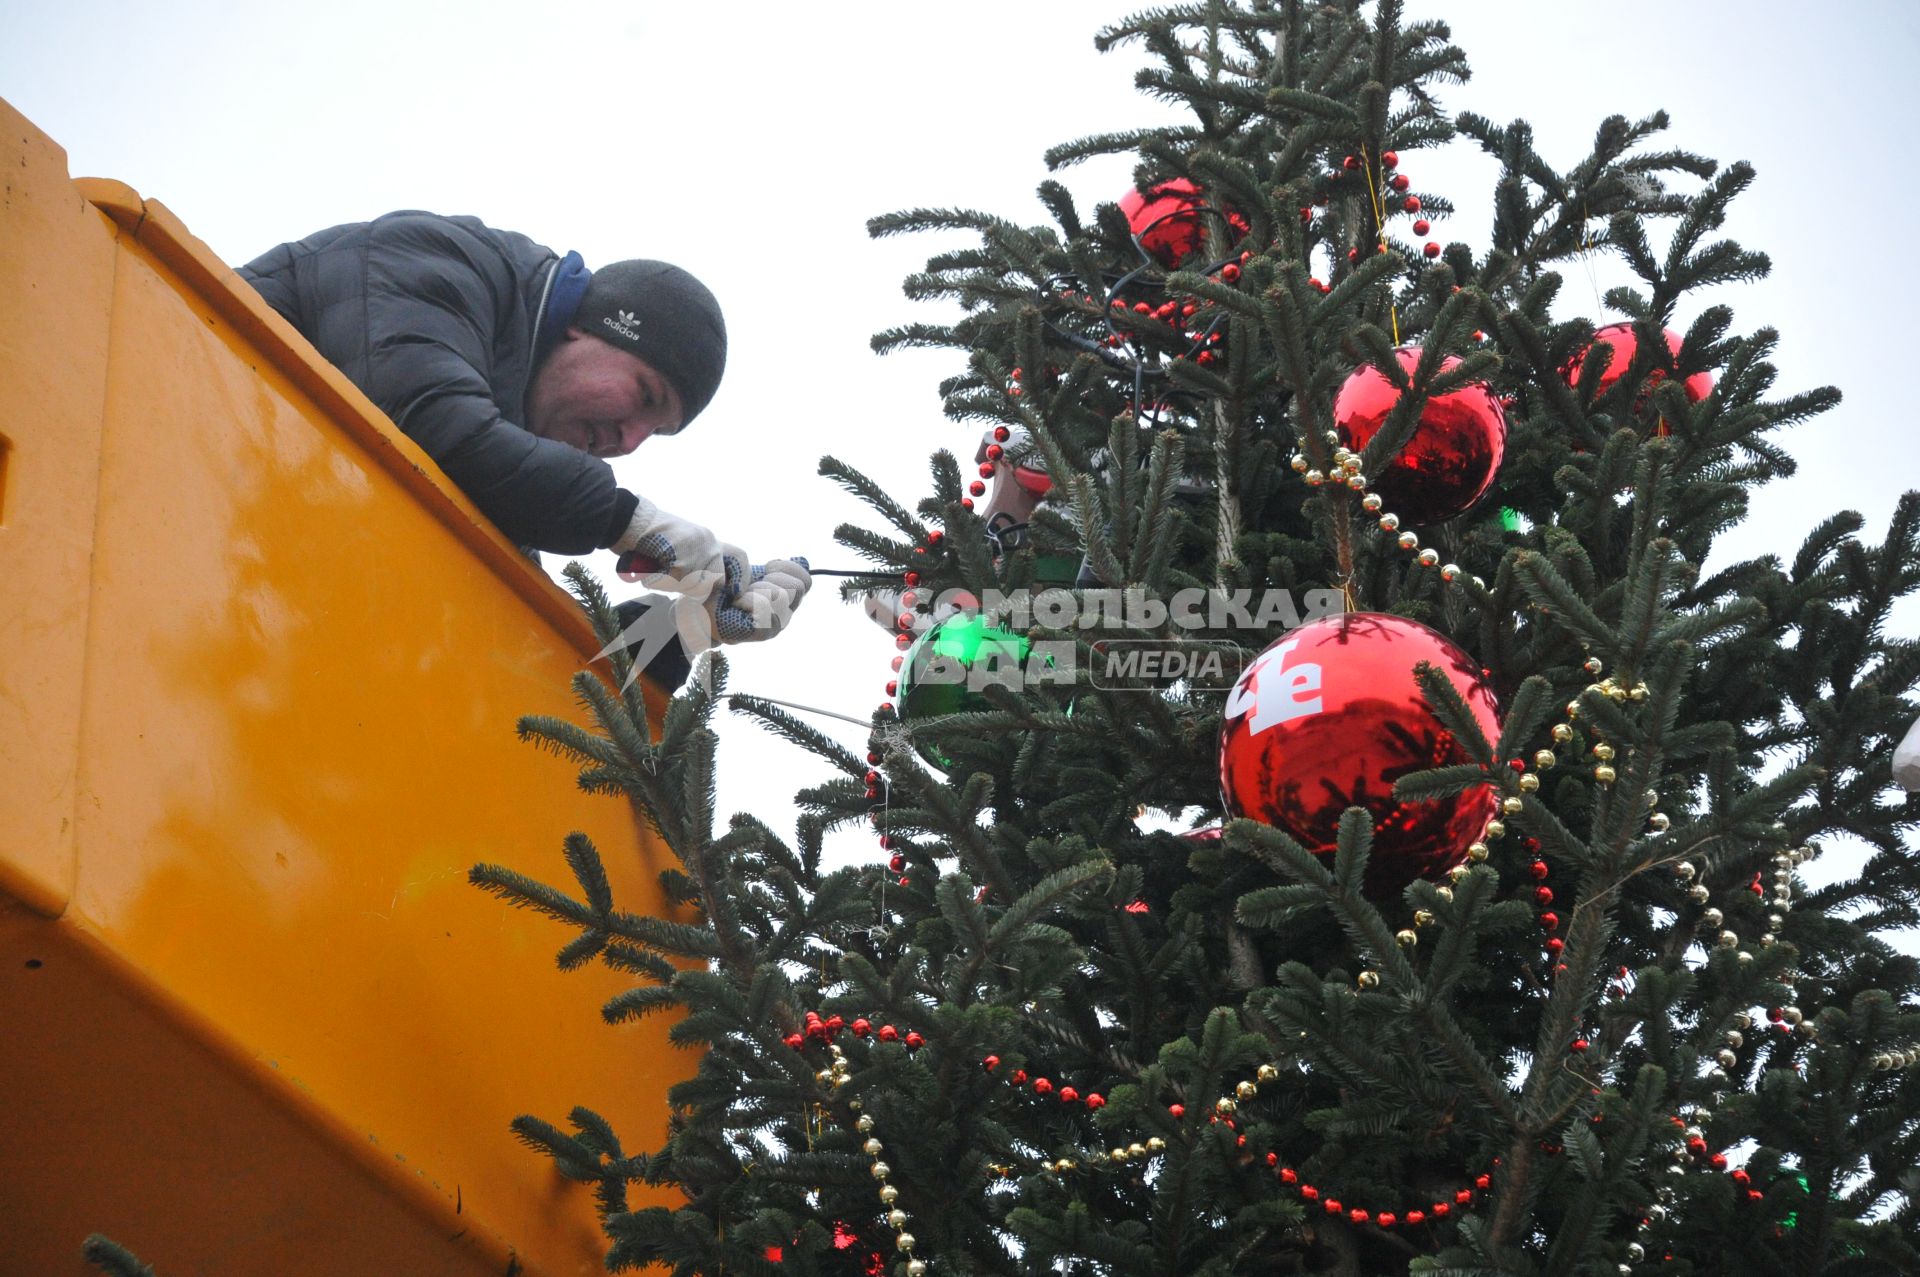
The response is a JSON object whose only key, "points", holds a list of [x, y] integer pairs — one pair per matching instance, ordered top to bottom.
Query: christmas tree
{"points": [[1337, 824]]}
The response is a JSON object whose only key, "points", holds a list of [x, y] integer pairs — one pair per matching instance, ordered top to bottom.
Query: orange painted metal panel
{"points": [[56, 276], [304, 656], [137, 1129]]}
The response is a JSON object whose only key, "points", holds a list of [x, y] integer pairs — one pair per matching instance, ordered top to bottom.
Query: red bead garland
{"points": [[1385, 1219]]}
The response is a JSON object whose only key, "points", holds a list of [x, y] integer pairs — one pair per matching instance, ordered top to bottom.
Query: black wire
{"points": [[1115, 288]]}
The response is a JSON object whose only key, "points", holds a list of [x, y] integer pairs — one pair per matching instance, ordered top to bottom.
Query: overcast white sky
{"points": [[750, 142]]}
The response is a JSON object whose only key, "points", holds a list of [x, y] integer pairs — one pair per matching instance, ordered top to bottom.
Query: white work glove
{"points": [[666, 552], [744, 607]]}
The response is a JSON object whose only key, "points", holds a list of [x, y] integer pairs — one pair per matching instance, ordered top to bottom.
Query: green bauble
{"points": [[946, 668]]}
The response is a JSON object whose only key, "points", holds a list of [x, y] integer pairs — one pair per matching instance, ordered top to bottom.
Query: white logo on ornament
{"points": [[1275, 693]]}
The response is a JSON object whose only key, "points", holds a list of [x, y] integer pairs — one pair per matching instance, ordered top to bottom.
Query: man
{"points": [[520, 372]]}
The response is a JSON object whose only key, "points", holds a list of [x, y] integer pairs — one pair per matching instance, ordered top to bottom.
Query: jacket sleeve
{"points": [[431, 308]]}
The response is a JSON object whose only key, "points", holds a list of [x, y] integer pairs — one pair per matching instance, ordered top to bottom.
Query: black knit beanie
{"points": [[665, 316]]}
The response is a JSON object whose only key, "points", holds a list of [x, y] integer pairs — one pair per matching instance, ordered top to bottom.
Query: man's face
{"points": [[599, 398]]}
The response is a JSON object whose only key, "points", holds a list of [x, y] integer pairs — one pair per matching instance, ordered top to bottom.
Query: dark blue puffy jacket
{"points": [[437, 319]]}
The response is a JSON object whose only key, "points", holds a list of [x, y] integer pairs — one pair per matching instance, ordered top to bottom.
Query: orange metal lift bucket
{"points": [[260, 666]]}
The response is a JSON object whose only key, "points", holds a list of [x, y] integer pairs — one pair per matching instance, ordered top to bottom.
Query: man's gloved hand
{"points": [[667, 552], [749, 604]]}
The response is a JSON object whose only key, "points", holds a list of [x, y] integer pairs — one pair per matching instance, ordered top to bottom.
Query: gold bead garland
{"points": [[1225, 1110], [903, 1241]]}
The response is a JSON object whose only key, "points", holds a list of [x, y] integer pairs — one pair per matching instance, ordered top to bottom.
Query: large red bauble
{"points": [[1171, 223], [1625, 342], [1454, 453], [1329, 717]]}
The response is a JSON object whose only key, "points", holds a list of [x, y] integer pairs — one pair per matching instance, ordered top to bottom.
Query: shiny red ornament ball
{"points": [[1390, 158], [1350, 163], [1399, 182], [1171, 223], [1422, 226], [1431, 249], [1230, 272], [1624, 342], [1455, 451], [1329, 717], [862, 1027], [889, 1034], [795, 1041], [915, 1041], [992, 1062], [1041, 1086], [1069, 1096], [1096, 1101], [1177, 1110]]}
